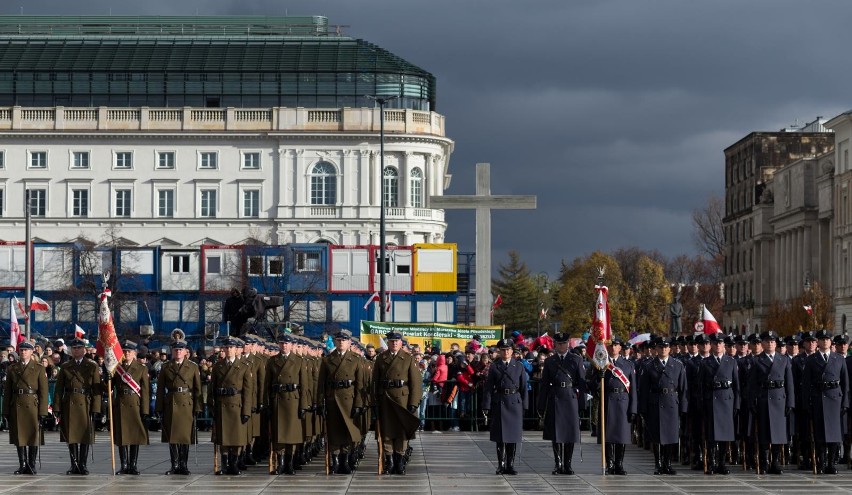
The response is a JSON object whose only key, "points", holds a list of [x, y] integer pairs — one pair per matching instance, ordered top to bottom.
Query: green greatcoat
{"points": [[77, 396], [24, 400], [178, 400], [340, 401], [393, 401], [285, 404], [128, 407], [228, 428]]}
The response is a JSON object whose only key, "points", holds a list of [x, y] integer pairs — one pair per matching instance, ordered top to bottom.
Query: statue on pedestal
{"points": [[676, 311]]}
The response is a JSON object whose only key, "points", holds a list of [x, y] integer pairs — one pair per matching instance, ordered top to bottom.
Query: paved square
{"points": [[443, 463]]}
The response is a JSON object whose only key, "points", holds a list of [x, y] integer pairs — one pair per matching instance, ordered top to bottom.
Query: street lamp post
{"points": [[382, 101], [809, 290]]}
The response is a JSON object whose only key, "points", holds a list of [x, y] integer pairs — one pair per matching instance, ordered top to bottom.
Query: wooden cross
{"points": [[483, 202]]}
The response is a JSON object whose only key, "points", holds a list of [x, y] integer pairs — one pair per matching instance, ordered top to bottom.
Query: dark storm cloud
{"points": [[615, 113]]}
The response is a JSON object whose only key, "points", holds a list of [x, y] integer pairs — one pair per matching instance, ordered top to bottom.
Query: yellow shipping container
{"points": [[435, 268]]}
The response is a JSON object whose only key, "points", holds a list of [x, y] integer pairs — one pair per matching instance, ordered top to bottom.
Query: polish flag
{"points": [[371, 300], [387, 302], [497, 302], [39, 304], [809, 309], [24, 313], [542, 315], [711, 326], [79, 333], [15, 336]]}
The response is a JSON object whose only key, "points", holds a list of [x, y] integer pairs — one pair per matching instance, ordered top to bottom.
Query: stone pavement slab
{"points": [[443, 464]]}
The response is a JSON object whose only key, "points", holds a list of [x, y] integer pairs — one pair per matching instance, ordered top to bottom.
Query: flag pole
{"points": [[603, 427], [111, 429]]}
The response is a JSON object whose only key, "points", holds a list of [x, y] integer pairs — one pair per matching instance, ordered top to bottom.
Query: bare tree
{"points": [[708, 235]]}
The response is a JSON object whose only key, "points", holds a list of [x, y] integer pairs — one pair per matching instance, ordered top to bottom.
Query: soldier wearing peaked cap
{"points": [[286, 376], [396, 383], [826, 388], [719, 396], [230, 398], [505, 398], [771, 399], [178, 401], [25, 406], [620, 407], [130, 408], [803, 442]]}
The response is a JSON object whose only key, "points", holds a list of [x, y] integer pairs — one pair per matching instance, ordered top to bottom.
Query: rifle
{"points": [[325, 439], [379, 441], [705, 445], [756, 447], [813, 447]]}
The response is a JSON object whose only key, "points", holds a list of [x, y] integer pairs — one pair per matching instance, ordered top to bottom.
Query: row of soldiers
{"points": [[759, 401], [286, 404]]}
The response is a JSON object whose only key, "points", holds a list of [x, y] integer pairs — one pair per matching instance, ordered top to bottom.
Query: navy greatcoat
{"points": [[719, 384], [827, 388], [770, 392], [561, 397], [662, 399], [620, 403], [506, 409]]}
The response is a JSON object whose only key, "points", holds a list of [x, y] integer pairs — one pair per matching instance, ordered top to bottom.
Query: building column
{"points": [[776, 266]]}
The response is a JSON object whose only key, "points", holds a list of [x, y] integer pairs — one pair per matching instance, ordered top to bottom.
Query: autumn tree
{"points": [[520, 295], [652, 296]]}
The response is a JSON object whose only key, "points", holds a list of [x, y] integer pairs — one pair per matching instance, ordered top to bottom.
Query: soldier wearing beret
{"points": [[286, 376], [340, 384], [397, 386], [826, 387], [561, 397], [719, 397], [505, 398], [771, 399], [662, 400], [178, 401], [76, 402], [25, 406], [130, 407], [803, 442]]}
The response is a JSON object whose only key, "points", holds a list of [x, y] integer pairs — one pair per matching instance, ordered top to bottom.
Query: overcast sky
{"points": [[614, 113]]}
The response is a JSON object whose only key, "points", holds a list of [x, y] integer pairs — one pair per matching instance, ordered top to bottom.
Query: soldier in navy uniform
{"points": [[841, 347], [718, 380], [826, 385], [561, 397], [505, 399], [771, 399], [662, 400], [621, 404], [695, 414], [789, 449], [804, 454]]}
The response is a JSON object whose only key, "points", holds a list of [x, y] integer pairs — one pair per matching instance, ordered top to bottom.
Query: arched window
{"points": [[323, 184], [390, 187], [417, 188]]}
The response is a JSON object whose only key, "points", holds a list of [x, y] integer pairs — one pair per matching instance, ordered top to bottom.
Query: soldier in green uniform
{"points": [[258, 371], [286, 375], [397, 386], [339, 387], [230, 399], [76, 401], [179, 401], [369, 404], [25, 407], [130, 409], [313, 421]]}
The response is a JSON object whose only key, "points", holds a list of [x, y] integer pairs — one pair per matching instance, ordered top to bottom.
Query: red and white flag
{"points": [[371, 300], [387, 302], [497, 302], [39, 304], [809, 309], [24, 313], [542, 314], [601, 326], [711, 326], [79, 333], [15, 336], [108, 346]]}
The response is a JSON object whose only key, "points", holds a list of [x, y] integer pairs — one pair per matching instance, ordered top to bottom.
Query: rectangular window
{"points": [[38, 159], [80, 159], [124, 159], [166, 159], [208, 159], [2, 160], [251, 160], [2, 202], [38, 202], [122, 202], [80, 203], [166, 203], [208, 203], [251, 204], [307, 262], [180, 263], [214, 265], [255, 265], [276, 266], [171, 310], [86, 311], [212, 311], [317, 311], [340, 311], [128, 312]]}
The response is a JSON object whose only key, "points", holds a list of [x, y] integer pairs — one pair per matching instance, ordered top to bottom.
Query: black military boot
{"points": [[684, 451], [735, 452], [74, 453], [667, 453], [833, 453], [32, 455], [567, 455], [608, 455], [721, 456], [173, 457], [298, 457], [132, 458], [248, 458], [501, 458], [557, 458], [697, 458], [710, 458], [83, 459], [122, 459], [352, 459], [510, 459], [763, 459], [22, 460], [183, 460], [241, 460], [399, 460], [618, 462], [658, 463], [775, 463], [343, 464], [387, 464], [233, 467], [287, 467], [332, 467]]}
